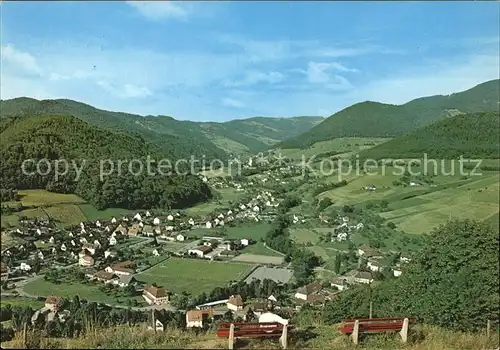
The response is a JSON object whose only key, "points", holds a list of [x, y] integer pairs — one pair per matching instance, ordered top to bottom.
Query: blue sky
{"points": [[227, 60]]}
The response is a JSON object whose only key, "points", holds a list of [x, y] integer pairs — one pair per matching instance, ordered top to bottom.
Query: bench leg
{"points": [[404, 331], [355, 332], [284, 336], [231, 337]]}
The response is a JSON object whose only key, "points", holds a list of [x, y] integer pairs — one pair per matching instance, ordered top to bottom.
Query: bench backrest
{"points": [[374, 325]]}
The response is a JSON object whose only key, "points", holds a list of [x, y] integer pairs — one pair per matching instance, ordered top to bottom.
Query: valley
{"points": [[358, 215]]}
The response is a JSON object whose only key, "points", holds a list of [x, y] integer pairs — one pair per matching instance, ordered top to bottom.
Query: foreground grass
{"points": [[421, 337]]}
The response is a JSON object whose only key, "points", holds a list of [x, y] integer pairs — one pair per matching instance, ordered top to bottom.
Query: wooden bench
{"points": [[354, 327], [253, 330]]}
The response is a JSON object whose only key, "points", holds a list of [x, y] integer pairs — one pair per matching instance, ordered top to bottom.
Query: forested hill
{"points": [[373, 119], [473, 135], [63, 137], [182, 138]]}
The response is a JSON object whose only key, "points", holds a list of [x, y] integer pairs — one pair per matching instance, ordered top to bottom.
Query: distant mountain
{"points": [[373, 119], [472, 135], [68, 138], [182, 138]]}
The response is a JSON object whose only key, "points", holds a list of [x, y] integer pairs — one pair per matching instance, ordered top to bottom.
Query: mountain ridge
{"points": [[375, 119], [212, 139]]}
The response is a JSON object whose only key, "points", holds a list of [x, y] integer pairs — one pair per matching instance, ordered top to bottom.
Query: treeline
{"points": [[102, 184], [278, 238], [452, 282], [252, 290], [83, 317]]}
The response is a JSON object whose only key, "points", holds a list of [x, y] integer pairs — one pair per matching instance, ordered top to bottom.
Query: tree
{"points": [[453, 281], [250, 315]]}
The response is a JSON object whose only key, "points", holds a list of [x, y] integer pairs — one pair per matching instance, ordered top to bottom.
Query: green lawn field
{"points": [[193, 275], [89, 291]]}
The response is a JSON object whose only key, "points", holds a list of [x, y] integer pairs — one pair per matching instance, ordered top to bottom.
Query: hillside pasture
{"points": [[340, 146], [66, 214], [189, 275]]}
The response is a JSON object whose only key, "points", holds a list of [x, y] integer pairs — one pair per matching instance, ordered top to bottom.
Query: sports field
{"points": [[193, 275]]}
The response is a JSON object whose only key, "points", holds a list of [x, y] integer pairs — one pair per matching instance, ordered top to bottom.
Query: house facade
{"points": [[155, 295], [235, 303], [196, 318]]}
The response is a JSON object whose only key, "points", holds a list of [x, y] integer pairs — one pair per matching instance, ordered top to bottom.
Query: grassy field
{"points": [[341, 145], [43, 198], [64, 209], [418, 209], [66, 214], [92, 214], [303, 235], [259, 249], [192, 275], [89, 291], [20, 301]]}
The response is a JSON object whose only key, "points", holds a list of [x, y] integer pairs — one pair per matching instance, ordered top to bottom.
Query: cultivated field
{"points": [[341, 146], [64, 209], [418, 209], [259, 259], [275, 274], [179, 275]]}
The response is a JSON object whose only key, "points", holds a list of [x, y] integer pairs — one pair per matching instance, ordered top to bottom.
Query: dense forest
{"points": [[373, 119], [473, 135], [180, 138], [85, 146]]}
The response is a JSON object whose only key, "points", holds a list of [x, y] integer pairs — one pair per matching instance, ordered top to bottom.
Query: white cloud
{"points": [[156, 10], [19, 59], [254, 77], [189, 85], [125, 91], [232, 103]]}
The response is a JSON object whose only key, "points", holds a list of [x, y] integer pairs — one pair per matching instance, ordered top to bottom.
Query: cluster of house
{"points": [[343, 230], [211, 247]]}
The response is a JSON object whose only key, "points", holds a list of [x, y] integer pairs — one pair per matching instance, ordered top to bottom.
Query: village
{"points": [[134, 261]]}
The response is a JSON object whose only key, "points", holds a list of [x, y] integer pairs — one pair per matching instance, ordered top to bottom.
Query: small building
{"points": [[120, 229], [134, 230], [148, 230], [180, 238], [244, 242], [201, 250], [368, 252], [86, 260], [374, 266], [123, 268], [4, 272], [397, 272], [104, 276], [363, 277], [123, 280], [339, 283], [308, 291], [155, 295], [53, 303], [235, 303], [196, 318]]}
